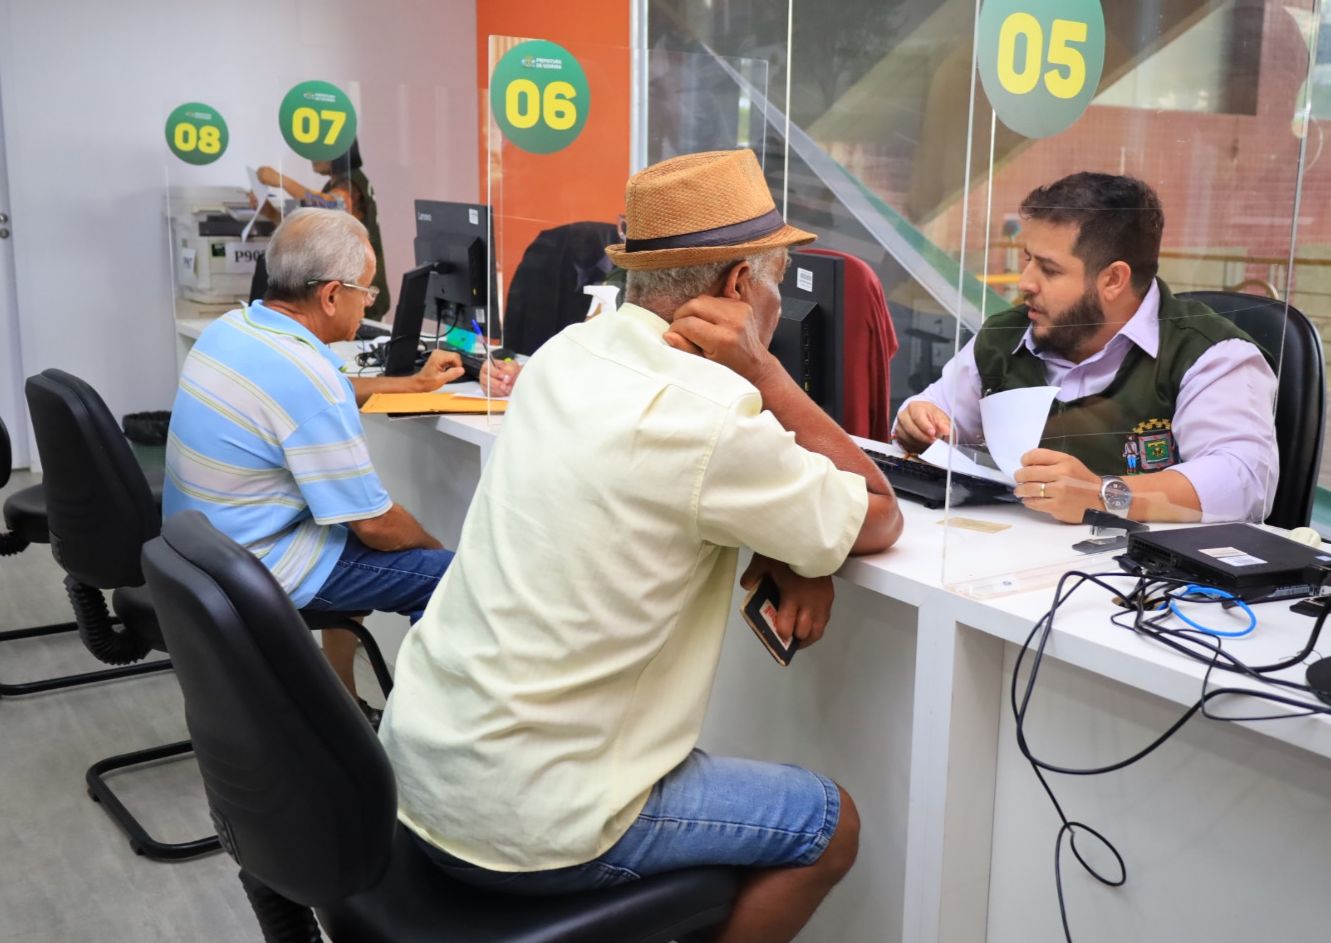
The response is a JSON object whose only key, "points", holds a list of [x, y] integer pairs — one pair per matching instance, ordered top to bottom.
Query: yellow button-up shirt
{"points": [[566, 659]]}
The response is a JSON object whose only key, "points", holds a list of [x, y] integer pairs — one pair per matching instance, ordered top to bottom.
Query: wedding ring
{"points": [[1042, 489]]}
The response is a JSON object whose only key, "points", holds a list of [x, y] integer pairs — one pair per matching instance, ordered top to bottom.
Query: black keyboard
{"points": [[372, 330], [471, 365], [927, 484]]}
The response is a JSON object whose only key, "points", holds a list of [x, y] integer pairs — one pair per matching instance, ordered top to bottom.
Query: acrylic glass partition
{"points": [[860, 112], [564, 135], [896, 154], [206, 210], [220, 210], [1138, 375]]}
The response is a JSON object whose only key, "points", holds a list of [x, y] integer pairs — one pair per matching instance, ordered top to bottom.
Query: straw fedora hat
{"points": [[701, 208]]}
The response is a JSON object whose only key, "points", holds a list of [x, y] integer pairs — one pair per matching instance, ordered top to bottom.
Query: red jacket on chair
{"points": [[869, 343]]}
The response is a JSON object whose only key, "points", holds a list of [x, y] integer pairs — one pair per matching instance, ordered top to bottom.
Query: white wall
{"points": [[86, 88], [12, 409]]}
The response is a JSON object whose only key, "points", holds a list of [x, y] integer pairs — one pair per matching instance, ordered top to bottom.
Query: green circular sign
{"points": [[1040, 61], [539, 97], [318, 120], [196, 133]]}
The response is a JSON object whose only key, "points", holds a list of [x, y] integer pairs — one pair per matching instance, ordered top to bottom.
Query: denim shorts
{"points": [[397, 581], [707, 811]]}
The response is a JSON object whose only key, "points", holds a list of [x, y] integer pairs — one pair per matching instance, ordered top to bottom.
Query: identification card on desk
{"points": [[759, 611]]}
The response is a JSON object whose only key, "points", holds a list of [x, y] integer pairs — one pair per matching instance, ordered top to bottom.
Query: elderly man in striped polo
{"points": [[266, 439]]}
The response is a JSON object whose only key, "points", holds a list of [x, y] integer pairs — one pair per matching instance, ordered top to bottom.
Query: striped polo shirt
{"points": [[267, 442]]}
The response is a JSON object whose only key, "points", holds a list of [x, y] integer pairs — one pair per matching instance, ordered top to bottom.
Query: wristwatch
{"points": [[1116, 495]]}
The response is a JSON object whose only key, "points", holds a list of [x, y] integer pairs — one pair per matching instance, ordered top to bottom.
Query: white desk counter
{"points": [[905, 704]]}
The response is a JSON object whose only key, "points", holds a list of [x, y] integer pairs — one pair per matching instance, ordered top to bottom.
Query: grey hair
{"points": [[315, 244], [664, 290]]}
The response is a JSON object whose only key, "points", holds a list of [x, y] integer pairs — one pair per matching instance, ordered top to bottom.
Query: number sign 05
{"points": [[1040, 61]]}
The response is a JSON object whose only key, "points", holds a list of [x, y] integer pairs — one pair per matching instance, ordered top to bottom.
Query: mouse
{"points": [[1307, 536], [1319, 678]]}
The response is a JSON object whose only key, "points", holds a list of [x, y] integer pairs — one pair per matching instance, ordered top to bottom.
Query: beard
{"points": [[1068, 330]]}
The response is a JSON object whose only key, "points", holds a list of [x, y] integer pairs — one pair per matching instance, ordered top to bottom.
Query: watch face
{"points": [[1117, 495]]}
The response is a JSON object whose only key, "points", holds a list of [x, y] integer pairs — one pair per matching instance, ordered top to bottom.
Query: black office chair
{"points": [[546, 293], [1294, 349], [100, 512], [25, 521], [303, 795]]}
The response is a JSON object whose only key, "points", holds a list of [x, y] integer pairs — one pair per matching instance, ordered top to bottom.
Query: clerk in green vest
{"points": [[1165, 410]]}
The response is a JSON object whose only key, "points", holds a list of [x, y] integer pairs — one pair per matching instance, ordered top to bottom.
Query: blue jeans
{"points": [[401, 581], [706, 811]]}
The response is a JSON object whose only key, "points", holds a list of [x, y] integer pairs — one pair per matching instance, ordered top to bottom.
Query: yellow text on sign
{"points": [[1021, 77], [525, 104], [305, 124], [188, 137]]}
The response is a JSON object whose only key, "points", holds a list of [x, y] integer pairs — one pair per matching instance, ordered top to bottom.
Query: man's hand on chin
{"points": [[724, 330], [1057, 484]]}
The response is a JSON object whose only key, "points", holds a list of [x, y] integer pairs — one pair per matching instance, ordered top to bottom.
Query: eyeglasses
{"points": [[371, 293]]}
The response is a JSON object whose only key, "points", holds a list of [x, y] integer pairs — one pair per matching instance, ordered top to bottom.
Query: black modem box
{"points": [[1251, 563]]}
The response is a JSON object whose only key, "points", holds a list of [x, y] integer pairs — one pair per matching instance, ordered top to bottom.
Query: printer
{"points": [[215, 243]]}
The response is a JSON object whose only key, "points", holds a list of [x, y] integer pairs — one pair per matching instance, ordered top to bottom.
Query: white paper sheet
{"points": [[262, 195], [468, 389], [1013, 422], [945, 456]]}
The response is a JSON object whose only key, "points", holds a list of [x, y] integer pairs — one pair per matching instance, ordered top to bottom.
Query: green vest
{"points": [[370, 217], [1126, 428]]}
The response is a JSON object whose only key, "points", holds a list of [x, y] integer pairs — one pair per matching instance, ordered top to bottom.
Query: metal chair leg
{"points": [[37, 631], [373, 653], [86, 677], [68, 681], [139, 839]]}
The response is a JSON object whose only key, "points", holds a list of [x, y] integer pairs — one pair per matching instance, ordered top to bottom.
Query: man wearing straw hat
{"points": [[544, 733]]}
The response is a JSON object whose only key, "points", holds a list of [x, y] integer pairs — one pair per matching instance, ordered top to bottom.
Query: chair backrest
{"points": [[545, 295], [868, 344], [1294, 350], [6, 456], [99, 508], [300, 789]]}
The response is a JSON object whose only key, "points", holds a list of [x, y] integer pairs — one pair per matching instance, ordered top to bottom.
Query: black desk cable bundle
{"points": [[378, 355], [1153, 599]]}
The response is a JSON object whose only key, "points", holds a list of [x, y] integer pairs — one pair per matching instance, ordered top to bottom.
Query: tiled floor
{"points": [[67, 874]]}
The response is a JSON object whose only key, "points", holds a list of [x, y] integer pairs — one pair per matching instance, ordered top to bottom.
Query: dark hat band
{"points": [[732, 234]]}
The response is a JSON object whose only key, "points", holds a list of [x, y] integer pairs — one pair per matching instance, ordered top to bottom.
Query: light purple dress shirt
{"points": [[1224, 419]]}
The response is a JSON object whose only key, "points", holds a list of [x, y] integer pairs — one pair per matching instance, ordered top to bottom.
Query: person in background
{"points": [[347, 189], [266, 440]]}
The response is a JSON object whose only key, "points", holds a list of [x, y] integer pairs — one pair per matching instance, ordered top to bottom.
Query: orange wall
{"points": [[585, 181]]}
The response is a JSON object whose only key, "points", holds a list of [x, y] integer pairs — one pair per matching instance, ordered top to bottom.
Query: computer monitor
{"points": [[455, 238], [809, 339], [400, 359]]}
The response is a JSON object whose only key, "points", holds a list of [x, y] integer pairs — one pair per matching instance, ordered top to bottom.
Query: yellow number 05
{"points": [[1019, 78], [524, 104]]}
